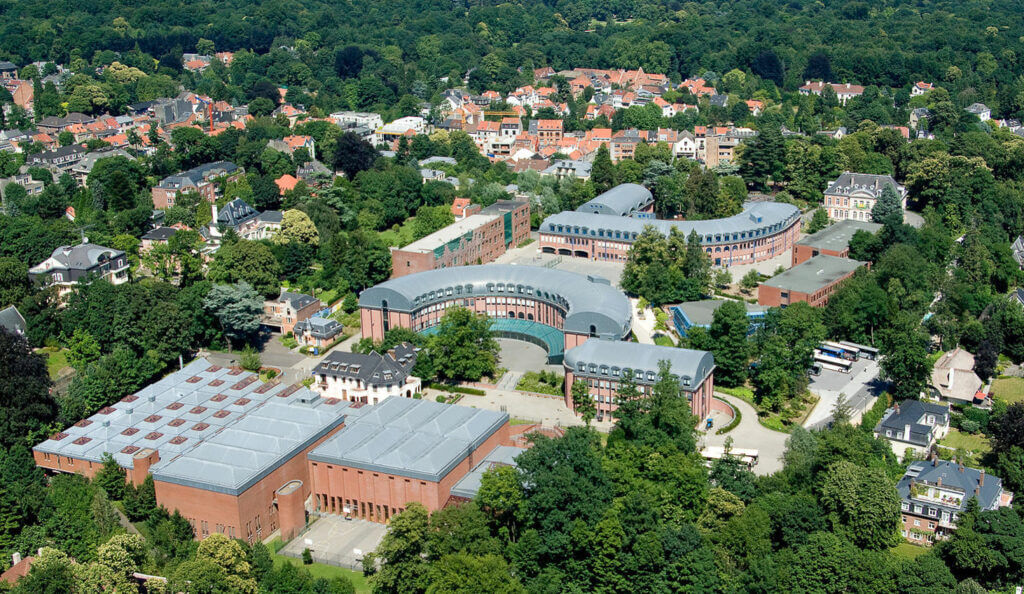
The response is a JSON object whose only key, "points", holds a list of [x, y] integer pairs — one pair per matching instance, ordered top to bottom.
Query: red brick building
{"points": [[475, 239], [833, 240], [812, 282], [289, 309], [603, 364], [225, 450], [402, 451]]}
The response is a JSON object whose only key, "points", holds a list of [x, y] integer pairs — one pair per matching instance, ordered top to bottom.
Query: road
{"points": [[861, 388], [751, 434]]}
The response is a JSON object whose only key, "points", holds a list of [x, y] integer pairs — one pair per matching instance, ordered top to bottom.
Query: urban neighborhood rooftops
{"points": [[837, 237], [814, 274], [214, 428], [412, 438]]}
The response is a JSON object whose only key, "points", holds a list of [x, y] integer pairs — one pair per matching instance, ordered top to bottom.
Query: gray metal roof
{"points": [[197, 174], [867, 184], [622, 200], [236, 212], [758, 219], [160, 233], [837, 237], [83, 256], [814, 274], [295, 300], [587, 300], [702, 313], [607, 357], [913, 413], [215, 428], [411, 438], [469, 485]]}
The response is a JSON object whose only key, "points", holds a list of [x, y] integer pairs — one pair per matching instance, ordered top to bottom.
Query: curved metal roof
{"points": [[621, 201], [758, 219], [587, 300], [691, 366]]}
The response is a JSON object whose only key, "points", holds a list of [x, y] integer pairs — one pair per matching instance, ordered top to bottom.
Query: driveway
{"points": [[861, 386], [750, 434], [336, 541]]}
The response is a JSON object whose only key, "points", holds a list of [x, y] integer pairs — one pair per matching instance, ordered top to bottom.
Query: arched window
{"points": [[593, 330]]}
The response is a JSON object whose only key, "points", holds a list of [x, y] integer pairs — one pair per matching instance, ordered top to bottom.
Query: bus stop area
{"points": [[861, 386]]}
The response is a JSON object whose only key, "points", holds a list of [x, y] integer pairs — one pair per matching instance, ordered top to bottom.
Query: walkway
{"points": [[750, 434]]}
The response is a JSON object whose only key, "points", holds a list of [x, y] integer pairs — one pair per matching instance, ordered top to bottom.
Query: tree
{"points": [[352, 154], [763, 157], [602, 174], [888, 205], [431, 218], [818, 221], [298, 228], [251, 262], [750, 280], [237, 307], [464, 349], [731, 349], [83, 350], [251, 359], [905, 361], [582, 403], [26, 405], [111, 478], [501, 496], [862, 505], [401, 554], [468, 574]]}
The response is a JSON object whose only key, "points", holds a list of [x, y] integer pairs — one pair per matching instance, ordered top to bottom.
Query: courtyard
{"points": [[335, 540]]}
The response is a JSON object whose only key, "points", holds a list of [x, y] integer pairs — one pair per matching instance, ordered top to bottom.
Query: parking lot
{"points": [[861, 386], [336, 541]]}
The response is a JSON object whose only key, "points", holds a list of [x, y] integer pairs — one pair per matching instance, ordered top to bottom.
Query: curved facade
{"points": [[622, 201], [762, 231], [538, 299], [602, 364]]}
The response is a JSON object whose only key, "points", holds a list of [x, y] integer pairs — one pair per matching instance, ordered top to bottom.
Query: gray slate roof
{"points": [[194, 176], [850, 184], [622, 200], [236, 212], [758, 219], [160, 234], [837, 237], [83, 256], [814, 274], [296, 300], [589, 300], [12, 320], [325, 328], [689, 365], [373, 368], [912, 412], [214, 428], [411, 438], [965, 479], [469, 485]]}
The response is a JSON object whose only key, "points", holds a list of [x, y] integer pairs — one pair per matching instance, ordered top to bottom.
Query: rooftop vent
{"points": [[154, 435]]}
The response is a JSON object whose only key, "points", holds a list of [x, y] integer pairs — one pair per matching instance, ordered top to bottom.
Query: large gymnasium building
{"points": [[606, 227]]}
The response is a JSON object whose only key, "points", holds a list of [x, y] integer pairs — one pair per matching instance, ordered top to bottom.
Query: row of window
{"points": [[632, 235], [491, 288]]}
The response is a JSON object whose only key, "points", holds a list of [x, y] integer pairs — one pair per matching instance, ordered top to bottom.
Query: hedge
{"points": [[459, 389], [732, 424]]}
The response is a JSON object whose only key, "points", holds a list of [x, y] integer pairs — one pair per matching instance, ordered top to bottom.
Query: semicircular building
{"points": [[605, 228], [555, 309]]}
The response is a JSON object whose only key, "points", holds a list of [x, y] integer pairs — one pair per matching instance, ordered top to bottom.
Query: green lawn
{"points": [[400, 237], [664, 340], [55, 361], [532, 381], [1009, 389], [965, 441], [909, 551], [322, 570]]}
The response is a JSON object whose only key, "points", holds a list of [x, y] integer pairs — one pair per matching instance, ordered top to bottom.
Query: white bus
{"points": [[833, 363], [745, 455]]}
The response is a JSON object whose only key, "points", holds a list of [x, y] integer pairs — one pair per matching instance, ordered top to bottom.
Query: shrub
{"points": [[251, 359], [271, 373], [458, 389], [441, 398], [733, 423], [969, 426], [307, 556]]}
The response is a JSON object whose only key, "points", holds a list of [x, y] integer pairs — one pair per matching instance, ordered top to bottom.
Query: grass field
{"points": [[400, 237], [55, 362], [532, 381], [1009, 389], [965, 441], [909, 551], [322, 570]]}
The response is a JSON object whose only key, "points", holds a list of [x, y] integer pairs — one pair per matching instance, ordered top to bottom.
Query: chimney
{"points": [[214, 209], [897, 407], [906, 432], [935, 459], [960, 465], [981, 478], [939, 482], [977, 491], [15, 558]]}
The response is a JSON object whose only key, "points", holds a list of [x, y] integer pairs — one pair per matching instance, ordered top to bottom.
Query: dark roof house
{"points": [[12, 320], [372, 369], [913, 422]]}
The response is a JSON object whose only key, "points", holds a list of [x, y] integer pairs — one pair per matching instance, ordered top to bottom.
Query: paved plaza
{"points": [[532, 256], [336, 541]]}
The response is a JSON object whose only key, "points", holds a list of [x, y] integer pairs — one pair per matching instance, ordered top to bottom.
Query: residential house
{"points": [[8, 70], [697, 87], [920, 88], [844, 92], [981, 110], [919, 118], [56, 125], [407, 126], [511, 127], [547, 131], [290, 144], [60, 159], [569, 168], [81, 170], [314, 173], [201, 180], [32, 187], [853, 195], [246, 221], [157, 236], [1018, 250], [68, 265], [1018, 296], [288, 308], [12, 321], [317, 332], [368, 379], [954, 379], [913, 425], [933, 493]]}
